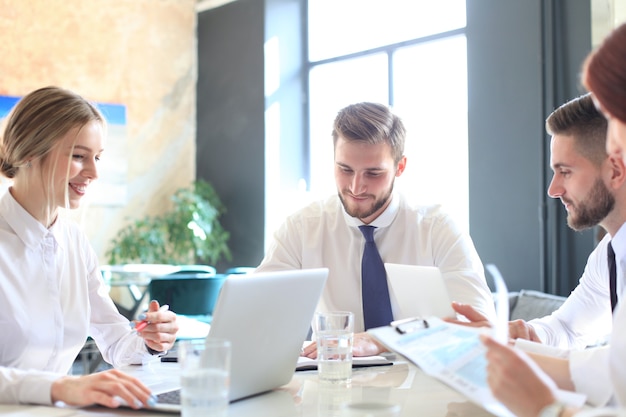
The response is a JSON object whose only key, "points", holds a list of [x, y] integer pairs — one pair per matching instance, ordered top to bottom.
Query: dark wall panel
{"points": [[523, 59], [230, 115], [505, 135]]}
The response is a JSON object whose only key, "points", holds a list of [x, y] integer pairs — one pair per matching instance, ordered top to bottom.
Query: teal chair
{"points": [[183, 269], [237, 270], [190, 291]]}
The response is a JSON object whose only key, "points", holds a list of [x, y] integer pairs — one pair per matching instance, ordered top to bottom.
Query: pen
{"points": [[143, 323]]}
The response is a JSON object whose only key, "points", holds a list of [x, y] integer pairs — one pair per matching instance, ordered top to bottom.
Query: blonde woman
{"points": [[51, 291]]}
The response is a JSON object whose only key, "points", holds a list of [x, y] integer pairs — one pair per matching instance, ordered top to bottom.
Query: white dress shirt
{"points": [[324, 235], [52, 297], [585, 317], [616, 353], [617, 356], [591, 369]]}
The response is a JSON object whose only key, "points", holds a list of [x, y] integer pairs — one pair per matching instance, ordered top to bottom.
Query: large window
{"points": [[410, 54]]}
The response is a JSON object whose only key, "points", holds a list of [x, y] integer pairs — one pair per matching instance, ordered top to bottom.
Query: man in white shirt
{"points": [[369, 155], [592, 186], [513, 379]]}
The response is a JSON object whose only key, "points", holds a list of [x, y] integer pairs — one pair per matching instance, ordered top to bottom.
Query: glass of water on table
{"points": [[334, 333], [204, 377]]}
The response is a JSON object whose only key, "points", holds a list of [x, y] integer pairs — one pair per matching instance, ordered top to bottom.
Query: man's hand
{"points": [[475, 319], [518, 329], [363, 344], [106, 388]]}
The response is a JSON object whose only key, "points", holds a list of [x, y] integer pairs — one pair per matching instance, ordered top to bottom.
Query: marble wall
{"points": [[139, 53]]}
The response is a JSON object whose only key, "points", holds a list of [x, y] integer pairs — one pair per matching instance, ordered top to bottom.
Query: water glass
{"points": [[334, 332], [204, 377]]}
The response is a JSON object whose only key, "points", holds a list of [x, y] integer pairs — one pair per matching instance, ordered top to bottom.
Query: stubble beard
{"points": [[595, 208], [363, 214]]}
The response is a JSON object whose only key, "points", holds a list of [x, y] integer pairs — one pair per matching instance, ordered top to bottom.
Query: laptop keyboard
{"points": [[170, 397]]}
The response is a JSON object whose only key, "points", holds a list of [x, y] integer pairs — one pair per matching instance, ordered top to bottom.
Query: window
{"points": [[410, 54]]}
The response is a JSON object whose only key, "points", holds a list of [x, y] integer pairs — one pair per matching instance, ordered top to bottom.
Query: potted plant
{"points": [[190, 233]]}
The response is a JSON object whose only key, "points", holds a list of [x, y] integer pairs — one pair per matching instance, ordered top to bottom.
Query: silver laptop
{"points": [[417, 291], [266, 316]]}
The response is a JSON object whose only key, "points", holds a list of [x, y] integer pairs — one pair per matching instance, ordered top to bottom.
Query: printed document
{"points": [[453, 354]]}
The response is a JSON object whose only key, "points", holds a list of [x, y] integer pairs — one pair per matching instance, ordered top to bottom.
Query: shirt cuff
{"points": [[539, 331], [590, 372], [37, 389]]}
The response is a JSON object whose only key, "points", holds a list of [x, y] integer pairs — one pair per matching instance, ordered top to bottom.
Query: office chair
{"points": [[185, 269], [236, 270], [188, 293]]}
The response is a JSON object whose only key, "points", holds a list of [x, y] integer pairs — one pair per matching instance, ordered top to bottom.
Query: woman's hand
{"points": [[160, 333], [516, 380], [106, 388]]}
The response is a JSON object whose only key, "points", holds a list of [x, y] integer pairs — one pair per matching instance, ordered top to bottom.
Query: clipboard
{"points": [[449, 352]]}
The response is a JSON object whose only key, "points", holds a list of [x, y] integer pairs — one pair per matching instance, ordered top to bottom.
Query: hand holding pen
{"points": [[143, 320], [157, 327]]}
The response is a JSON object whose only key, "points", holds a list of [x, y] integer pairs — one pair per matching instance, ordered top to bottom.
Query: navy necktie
{"points": [[612, 276], [374, 290]]}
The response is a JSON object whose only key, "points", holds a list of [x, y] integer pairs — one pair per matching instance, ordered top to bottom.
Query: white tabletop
{"points": [[417, 394]]}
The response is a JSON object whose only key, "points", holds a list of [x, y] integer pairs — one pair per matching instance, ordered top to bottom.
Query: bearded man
{"points": [[368, 156]]}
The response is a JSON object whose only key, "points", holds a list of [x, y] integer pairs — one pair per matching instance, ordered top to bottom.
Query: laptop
{"points": [[417, 291], [266, 316]]}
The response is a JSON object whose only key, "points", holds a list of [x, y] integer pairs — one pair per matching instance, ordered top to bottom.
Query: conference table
{"points": [[402, 385]]}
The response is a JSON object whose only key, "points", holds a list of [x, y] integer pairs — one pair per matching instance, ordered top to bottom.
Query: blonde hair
{"points": [[37, 123]]}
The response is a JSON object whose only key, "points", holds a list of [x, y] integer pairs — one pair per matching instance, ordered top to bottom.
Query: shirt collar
{"points": [[383, 220], [25, 226], [618, 242]]}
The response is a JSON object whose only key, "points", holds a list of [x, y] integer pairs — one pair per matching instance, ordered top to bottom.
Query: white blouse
{"points": [[52, 297]]}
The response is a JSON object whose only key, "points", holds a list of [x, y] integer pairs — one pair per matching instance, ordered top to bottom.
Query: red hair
{"points": [[604, 73]]}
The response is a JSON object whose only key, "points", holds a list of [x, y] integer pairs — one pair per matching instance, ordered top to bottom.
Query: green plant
{"points": [[188, 234]]}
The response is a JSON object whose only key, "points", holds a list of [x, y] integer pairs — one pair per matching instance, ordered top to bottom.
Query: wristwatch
{"points": [[552, 410]]}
